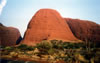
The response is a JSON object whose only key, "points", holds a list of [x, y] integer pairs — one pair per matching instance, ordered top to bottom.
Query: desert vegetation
{"points": [[53, 51]]}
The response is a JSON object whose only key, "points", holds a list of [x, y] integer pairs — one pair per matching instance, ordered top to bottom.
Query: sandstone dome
{"points": [[47, 24], [84, 30], [9, 36]]}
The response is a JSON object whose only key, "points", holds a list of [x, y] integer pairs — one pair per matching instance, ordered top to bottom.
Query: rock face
{"points": [[47, 24], [84, 30], [9, 36]]}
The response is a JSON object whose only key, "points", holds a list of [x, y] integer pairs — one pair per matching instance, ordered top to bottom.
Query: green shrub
{"points": [[57, 44], [44, 45], [22, 46], [25, 47], [9, 48], [51, 51]]}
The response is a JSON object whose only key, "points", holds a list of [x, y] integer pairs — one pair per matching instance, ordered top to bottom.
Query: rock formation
{"points": [[47, 24], [84, 30], [9, 36]]}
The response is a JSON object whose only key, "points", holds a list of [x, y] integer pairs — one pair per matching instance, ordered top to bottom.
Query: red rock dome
{"points": [[47, 24], [84, 30], [9, 36]]}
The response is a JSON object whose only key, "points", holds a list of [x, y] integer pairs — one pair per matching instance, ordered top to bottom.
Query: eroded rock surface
{"points": [[47, 24], [84, 30], [9, 36]]}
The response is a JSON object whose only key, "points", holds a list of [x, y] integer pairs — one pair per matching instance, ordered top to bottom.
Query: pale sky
{"points": [[18, 13]]}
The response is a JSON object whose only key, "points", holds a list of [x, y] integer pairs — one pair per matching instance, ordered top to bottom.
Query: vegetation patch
{"points": [[54, 51]]}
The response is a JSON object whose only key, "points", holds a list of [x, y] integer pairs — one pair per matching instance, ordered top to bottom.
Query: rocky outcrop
{"points": [[47, 24], [84, 30], [9, 36]]}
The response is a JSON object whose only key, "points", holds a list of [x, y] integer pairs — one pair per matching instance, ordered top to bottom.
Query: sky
{"points": [[18, 13]]}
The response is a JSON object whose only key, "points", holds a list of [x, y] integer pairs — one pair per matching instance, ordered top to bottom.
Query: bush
{"points": [[57, 44], [44, 45], [22, 46], [25, 47], [9, 48], [51, 51]]}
